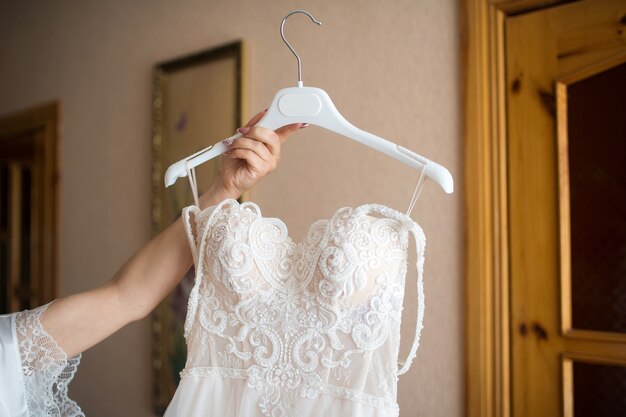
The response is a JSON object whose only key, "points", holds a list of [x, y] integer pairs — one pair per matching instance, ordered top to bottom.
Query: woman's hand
{"points": [[252, 156]]}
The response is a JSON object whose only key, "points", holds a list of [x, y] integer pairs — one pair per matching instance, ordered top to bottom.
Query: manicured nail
{"points": [[243, 130]]}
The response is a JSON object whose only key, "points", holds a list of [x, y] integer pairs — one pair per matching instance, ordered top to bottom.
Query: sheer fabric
{"points": [[280, 328], [37, 370]]}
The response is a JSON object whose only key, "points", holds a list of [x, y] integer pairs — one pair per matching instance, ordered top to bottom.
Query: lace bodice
{"points": [[289, 323]]}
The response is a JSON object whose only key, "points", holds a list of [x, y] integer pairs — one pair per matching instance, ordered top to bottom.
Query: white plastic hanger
{"points": [[313, 105]]}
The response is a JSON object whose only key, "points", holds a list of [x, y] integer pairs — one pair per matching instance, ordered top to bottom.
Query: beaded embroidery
{"points": [[301, 319]]}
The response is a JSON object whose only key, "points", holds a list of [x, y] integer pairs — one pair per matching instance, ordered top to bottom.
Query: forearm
{"points": [[79, 321]]}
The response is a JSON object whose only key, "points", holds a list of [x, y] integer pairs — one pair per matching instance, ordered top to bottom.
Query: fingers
{"points": [[264, 134], [267, 136], [259, 147], [258, 165]]}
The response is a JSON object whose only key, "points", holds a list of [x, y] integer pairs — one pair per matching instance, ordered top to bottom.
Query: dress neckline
{"points": [[380, 208]]}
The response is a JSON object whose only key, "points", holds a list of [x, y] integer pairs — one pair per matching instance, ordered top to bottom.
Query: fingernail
{"points": [[304, 125], [243, 130]]}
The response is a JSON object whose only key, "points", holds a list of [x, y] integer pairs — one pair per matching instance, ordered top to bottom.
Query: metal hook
{"points": [[282, 35]]}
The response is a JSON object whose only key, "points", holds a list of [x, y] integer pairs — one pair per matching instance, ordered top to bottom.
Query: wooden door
{"points": [[565, 96], [28, 208]]}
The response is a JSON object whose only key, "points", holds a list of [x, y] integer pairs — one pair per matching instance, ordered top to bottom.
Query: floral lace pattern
{"points": [[297, 320], [47, 369]]}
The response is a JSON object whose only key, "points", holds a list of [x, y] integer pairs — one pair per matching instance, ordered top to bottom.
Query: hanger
{"points": [[313, 105]]}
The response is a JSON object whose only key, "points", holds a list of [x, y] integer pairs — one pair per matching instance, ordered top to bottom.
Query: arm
{"points": [[79, 321]]}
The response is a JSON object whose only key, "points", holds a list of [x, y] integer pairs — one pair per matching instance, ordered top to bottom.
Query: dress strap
{"points": [[191, 174], [417, 192], [191, 232], [192, 237], [196, 237], [420, 245]]}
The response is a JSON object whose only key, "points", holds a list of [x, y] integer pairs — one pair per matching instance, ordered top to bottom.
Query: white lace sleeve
{"points": [[46, 367]]}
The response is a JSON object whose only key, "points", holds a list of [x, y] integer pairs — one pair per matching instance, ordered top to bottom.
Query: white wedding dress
{"points": [[279, 328]]}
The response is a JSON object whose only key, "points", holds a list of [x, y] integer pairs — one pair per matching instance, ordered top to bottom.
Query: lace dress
{"points": [[279, 328], [35, 370]]}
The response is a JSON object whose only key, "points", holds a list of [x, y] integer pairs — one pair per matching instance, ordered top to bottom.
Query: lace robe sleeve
{"points": [[47, 369]]}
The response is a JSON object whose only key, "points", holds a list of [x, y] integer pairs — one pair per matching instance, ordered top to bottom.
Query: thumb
{"points": [[256, 118], [286, 131]]}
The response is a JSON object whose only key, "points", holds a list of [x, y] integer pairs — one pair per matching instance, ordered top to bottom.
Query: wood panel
{"points": [[533, 215], [15, 237], [487, 312]]}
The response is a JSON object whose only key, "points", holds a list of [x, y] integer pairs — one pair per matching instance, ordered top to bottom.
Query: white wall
{"points": [[392, 67]]}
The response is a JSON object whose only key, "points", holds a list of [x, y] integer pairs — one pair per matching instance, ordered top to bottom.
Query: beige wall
{"points": [[392, 68]]}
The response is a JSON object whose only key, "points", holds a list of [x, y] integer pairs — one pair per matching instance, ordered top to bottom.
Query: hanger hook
{"points": [[282, 35]]}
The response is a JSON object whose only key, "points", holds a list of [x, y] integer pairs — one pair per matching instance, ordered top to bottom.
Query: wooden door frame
{"points": [[43, 122], [487, 319]]}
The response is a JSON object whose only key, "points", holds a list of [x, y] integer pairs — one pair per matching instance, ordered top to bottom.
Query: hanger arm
{"points": [[313, 105], [179, 169]]}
